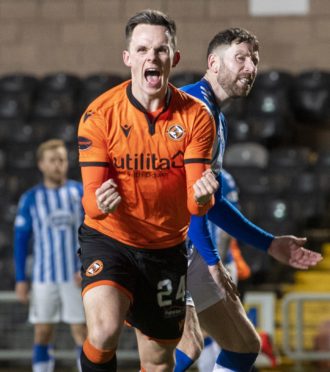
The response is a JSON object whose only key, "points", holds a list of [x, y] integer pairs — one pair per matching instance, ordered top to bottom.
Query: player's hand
{"points": [[205, 187], [107, 196], [289, 250], [221, 276], [22, 292]]}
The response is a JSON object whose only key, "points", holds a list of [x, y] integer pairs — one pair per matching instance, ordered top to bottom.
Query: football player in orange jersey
{"points": [[145, 152]]}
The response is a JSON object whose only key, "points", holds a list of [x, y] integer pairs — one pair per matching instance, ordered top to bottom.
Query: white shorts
{"points": [[200, 284], [203, 292], [56, 302]]}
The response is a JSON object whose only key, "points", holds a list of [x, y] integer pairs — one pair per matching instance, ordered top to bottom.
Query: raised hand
{"points": [[205, 187], [107, 196], [288, 249], [221, 276]]}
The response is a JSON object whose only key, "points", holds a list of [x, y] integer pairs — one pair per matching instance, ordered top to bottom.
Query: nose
{"points": [[152, 54], [250, 66]]}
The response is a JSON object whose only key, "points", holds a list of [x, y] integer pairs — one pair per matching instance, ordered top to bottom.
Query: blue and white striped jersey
{"points": [[49, 218]]}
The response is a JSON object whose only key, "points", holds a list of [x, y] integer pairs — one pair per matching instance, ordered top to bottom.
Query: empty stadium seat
{"points": [[18, 83], [96, 84], [17, 93], [270, 93], [57, 97], [310, 97], [13, 106], [239, 129], [246, 154], [22, 156], [295, 157], [276, 216]]}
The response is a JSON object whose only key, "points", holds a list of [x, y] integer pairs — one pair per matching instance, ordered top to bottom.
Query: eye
{"points": [[141, 49], [163, 49], [240, 58]]}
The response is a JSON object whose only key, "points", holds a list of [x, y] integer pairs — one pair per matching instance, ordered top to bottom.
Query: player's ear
{"points": [[126, 58], [176, 58], [213, 62]]}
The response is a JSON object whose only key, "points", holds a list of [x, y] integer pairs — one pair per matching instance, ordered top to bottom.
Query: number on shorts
{"points": [[165, 290]]}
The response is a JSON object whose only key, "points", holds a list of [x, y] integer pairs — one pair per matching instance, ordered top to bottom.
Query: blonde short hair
{"points": [[49, 145]]}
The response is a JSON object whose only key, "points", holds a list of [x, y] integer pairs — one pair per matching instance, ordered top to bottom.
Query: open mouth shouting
{"points": [[153, 77], [246, 82]]}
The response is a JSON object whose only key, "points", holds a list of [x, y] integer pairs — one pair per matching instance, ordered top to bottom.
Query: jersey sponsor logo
{"points": [[88, 114], [126, 129], [176, 132], [84, 143], [148, 162], [60, 219], [94, 268]]}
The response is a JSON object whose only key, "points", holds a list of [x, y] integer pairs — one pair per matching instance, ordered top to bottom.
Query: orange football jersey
{"points": [[154, 160]]}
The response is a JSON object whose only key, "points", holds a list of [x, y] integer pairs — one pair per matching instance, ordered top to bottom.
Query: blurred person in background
{"points": [[232, 59], [49, 216]]}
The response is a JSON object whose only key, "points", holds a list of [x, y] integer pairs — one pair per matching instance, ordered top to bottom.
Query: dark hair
{"points": [[151, 17], [235, 34]]}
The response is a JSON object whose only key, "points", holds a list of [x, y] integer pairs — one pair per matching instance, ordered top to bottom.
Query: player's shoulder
{"points": [[187, 101], [74, 185], [28, 196]]}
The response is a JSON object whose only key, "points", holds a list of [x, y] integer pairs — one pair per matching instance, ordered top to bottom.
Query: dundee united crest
{"points": [[176, 132], [94, 268]]}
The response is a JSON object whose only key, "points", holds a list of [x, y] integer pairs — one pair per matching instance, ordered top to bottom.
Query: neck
{"points": [[220, 95], [149, 102], [50, 184]]}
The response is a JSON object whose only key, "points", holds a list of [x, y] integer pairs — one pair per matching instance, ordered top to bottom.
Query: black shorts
{"points": [[154, 280]]}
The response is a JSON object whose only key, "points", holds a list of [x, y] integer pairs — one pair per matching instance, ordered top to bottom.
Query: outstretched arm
{"points": [[289, 250]]}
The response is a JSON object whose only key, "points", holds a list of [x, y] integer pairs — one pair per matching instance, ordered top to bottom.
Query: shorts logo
{"points": [[176, 132], [95, 268]]}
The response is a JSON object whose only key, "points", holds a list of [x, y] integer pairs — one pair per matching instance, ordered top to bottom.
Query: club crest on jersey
{"points": [[176, 132], [94, 268]]}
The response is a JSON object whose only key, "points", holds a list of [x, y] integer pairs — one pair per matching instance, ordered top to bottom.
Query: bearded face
{"points": [[237, 69]]}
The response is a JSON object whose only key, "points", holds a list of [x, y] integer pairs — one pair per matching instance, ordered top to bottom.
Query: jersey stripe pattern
{"points": [[51, 217]]}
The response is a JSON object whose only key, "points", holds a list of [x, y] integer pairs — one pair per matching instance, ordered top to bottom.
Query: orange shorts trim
{"points": [[111, 284]]}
